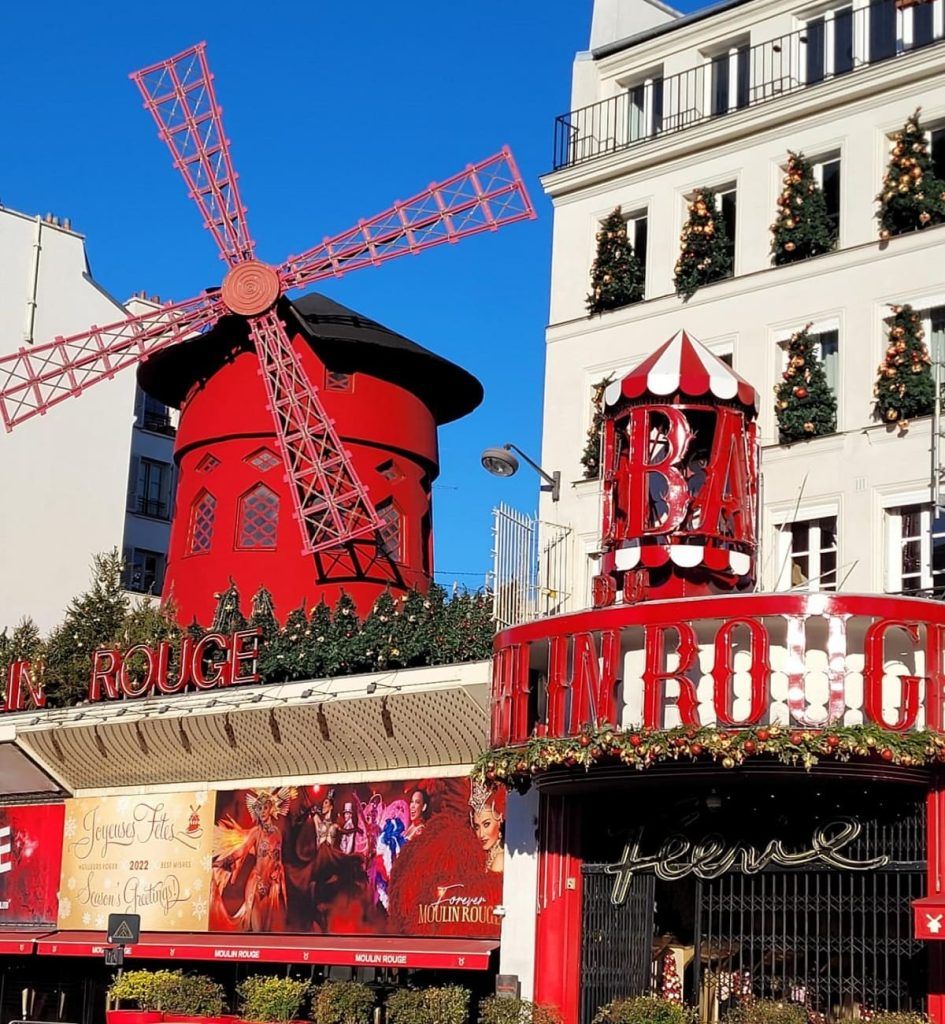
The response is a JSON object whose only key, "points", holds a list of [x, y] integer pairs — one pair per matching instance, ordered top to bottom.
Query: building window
{"points": [[884, 29], [829, 46], [730, 80], [645, 108], [936, 139], [827, 176], [727, 206], [637, 228], [827, 348], [335, 380], [152, 415], [263, 460], [208, 463], [389, 471], [151, 488], [202, 517], [258, 518], [389, 536], [916, 550], [809, 554], [144, 571]]}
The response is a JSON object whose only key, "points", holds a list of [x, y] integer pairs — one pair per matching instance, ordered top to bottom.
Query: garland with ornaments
{"points": [[912, 196], [803, 227], [706, 254], [904, 386], [805, 405], [590, 457], [642, 748]]}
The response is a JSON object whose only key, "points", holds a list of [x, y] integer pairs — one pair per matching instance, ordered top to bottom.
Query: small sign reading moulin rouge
{"points": [[214, 660], [412, 857]]}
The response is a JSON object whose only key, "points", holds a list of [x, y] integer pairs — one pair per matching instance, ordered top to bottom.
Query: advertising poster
{"points": [[30, 853], [147, 855], [418, 857]]}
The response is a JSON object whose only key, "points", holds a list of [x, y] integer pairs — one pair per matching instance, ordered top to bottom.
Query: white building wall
{"points": [[864, 468], [65, 474], [520, 890]]}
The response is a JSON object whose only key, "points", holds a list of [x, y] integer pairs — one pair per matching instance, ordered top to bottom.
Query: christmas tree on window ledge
{"points": [[912, 197], [802, 228], [706, 254], [616, 275], [904, 386], [805, 405], [590, 459]]}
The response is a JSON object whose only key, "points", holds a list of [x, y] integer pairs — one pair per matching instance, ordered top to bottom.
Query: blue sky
{"points": [[334, 111]]}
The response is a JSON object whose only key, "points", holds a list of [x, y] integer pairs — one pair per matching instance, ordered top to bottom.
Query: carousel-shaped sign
{"points": [[680, 478]]}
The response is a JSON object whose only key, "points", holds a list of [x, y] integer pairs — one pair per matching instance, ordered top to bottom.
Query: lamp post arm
{"points": [[553, 480]]}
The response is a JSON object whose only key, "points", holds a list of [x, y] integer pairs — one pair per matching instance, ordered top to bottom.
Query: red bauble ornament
{"points": [[800, 392], [764, 735], [796, 738], [585, 740], [635, 740], [833, 742], [749, 746], [696, 749], [886, 754]]}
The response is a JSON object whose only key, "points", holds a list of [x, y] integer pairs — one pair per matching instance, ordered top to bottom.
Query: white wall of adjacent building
{"points": [[865, 472], [65, 474]]}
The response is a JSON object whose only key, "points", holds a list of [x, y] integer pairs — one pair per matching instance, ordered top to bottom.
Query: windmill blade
{"points": [[180, 96], [483, 197], [38, 377], [331, 503]]}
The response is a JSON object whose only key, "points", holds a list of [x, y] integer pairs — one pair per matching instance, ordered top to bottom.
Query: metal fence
{"points": [[744, 77], [532, 567]]}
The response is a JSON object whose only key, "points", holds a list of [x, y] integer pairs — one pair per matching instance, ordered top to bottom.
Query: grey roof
{"points": [[669, 26]]}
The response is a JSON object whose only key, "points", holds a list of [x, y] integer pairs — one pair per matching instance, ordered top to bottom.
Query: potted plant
{"points": [[142, 988], [192, 999], [271, 1000], [342, 1002], [444, 1004], [502, 1010], [645, 1010]]}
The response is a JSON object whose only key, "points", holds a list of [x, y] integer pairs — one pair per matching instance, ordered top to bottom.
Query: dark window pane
{"points": [[923, 26], [882, 29], [843, 40], [816, 48], [743, 77], [720, 85], [657, 124], [938, 149], [831, 186], [729, 205], [639, 240], [911, 521], [800, 533], [828, 533], [938, 554], [911, 557], [828, 570]]}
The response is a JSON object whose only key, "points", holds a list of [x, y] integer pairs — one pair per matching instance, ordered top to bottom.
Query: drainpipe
{"points": [[34, 282]]}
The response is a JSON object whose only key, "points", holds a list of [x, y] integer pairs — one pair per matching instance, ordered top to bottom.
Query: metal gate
{"points": [[830, 939], [617, 940]]}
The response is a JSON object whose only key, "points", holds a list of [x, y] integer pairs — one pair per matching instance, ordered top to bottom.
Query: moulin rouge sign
{"points": [[207, 663]]}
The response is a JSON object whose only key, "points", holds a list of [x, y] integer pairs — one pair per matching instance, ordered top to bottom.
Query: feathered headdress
{"points": [[276, 800]]}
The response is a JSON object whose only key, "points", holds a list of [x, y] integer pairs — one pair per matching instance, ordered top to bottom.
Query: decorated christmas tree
{"points": [[912, 197], [802, 228], [705, 255], [616, 275], [904, 387], [804, 403], [590, 459], [227, 618], [670, 984]]}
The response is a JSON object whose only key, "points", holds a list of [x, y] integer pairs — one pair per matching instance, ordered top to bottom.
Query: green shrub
{"points": [[193, 995], [271, 999], [342, 1002], [448, 1004], [497, 1010], [643, 1010], [766, 1011], [901, 1017]]}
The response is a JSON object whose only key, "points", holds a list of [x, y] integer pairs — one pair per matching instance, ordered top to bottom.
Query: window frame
{"points": [[201, 495], [241, 517], [383, 550], [814, 552], [160, 567], [894, 582]]}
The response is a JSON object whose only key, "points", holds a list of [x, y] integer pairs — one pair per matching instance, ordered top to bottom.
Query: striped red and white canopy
{"points": [[683, 366]]}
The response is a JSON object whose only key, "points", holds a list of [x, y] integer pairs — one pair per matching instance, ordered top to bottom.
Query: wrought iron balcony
{"points": [[747, 76], [150, 507]]}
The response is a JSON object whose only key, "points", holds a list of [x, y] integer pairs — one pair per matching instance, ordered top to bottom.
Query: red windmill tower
{"points": [[284, 405]]}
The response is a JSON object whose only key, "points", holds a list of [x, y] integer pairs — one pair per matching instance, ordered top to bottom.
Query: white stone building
{"points": [[662, 105], [93, 474]]}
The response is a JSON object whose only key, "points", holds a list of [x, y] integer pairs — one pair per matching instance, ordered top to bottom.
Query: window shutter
{"points": [[882, 30], [816, 50], [743, 77], [132, 504]]}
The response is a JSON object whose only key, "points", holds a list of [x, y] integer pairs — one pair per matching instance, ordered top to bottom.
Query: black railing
{"points": [[746, 77], [158, 425], [151, 507]]}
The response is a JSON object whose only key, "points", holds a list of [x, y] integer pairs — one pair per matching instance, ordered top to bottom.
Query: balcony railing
{"points": [[746, 77], [150, 507]]}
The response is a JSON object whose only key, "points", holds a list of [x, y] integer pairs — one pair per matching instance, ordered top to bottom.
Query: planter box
{"points": [[134, 1016]]}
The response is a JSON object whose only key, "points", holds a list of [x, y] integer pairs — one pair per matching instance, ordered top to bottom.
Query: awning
{"points": [[21, 942], [346, 950]]}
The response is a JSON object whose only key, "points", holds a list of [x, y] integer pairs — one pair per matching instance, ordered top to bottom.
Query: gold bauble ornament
{"points": [[789, 247], [891, 415], [808, 427]]}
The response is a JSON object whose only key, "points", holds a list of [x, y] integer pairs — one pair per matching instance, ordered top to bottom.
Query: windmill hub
{"points": [[250, 288]]}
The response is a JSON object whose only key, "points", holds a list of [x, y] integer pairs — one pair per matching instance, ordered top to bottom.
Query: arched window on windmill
{"points": [[203, 515], [258, 518], [390, 539]]}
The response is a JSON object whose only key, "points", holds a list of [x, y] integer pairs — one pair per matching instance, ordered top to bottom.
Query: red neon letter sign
{"points": [[656, 456], [874, 647], [723, 671], [655, 676]]}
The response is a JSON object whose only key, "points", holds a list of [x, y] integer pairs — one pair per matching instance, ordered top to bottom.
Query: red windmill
{"points": [[330, 498]]}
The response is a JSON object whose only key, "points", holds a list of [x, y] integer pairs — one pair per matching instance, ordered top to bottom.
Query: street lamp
{"points": [[501, 462]]}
